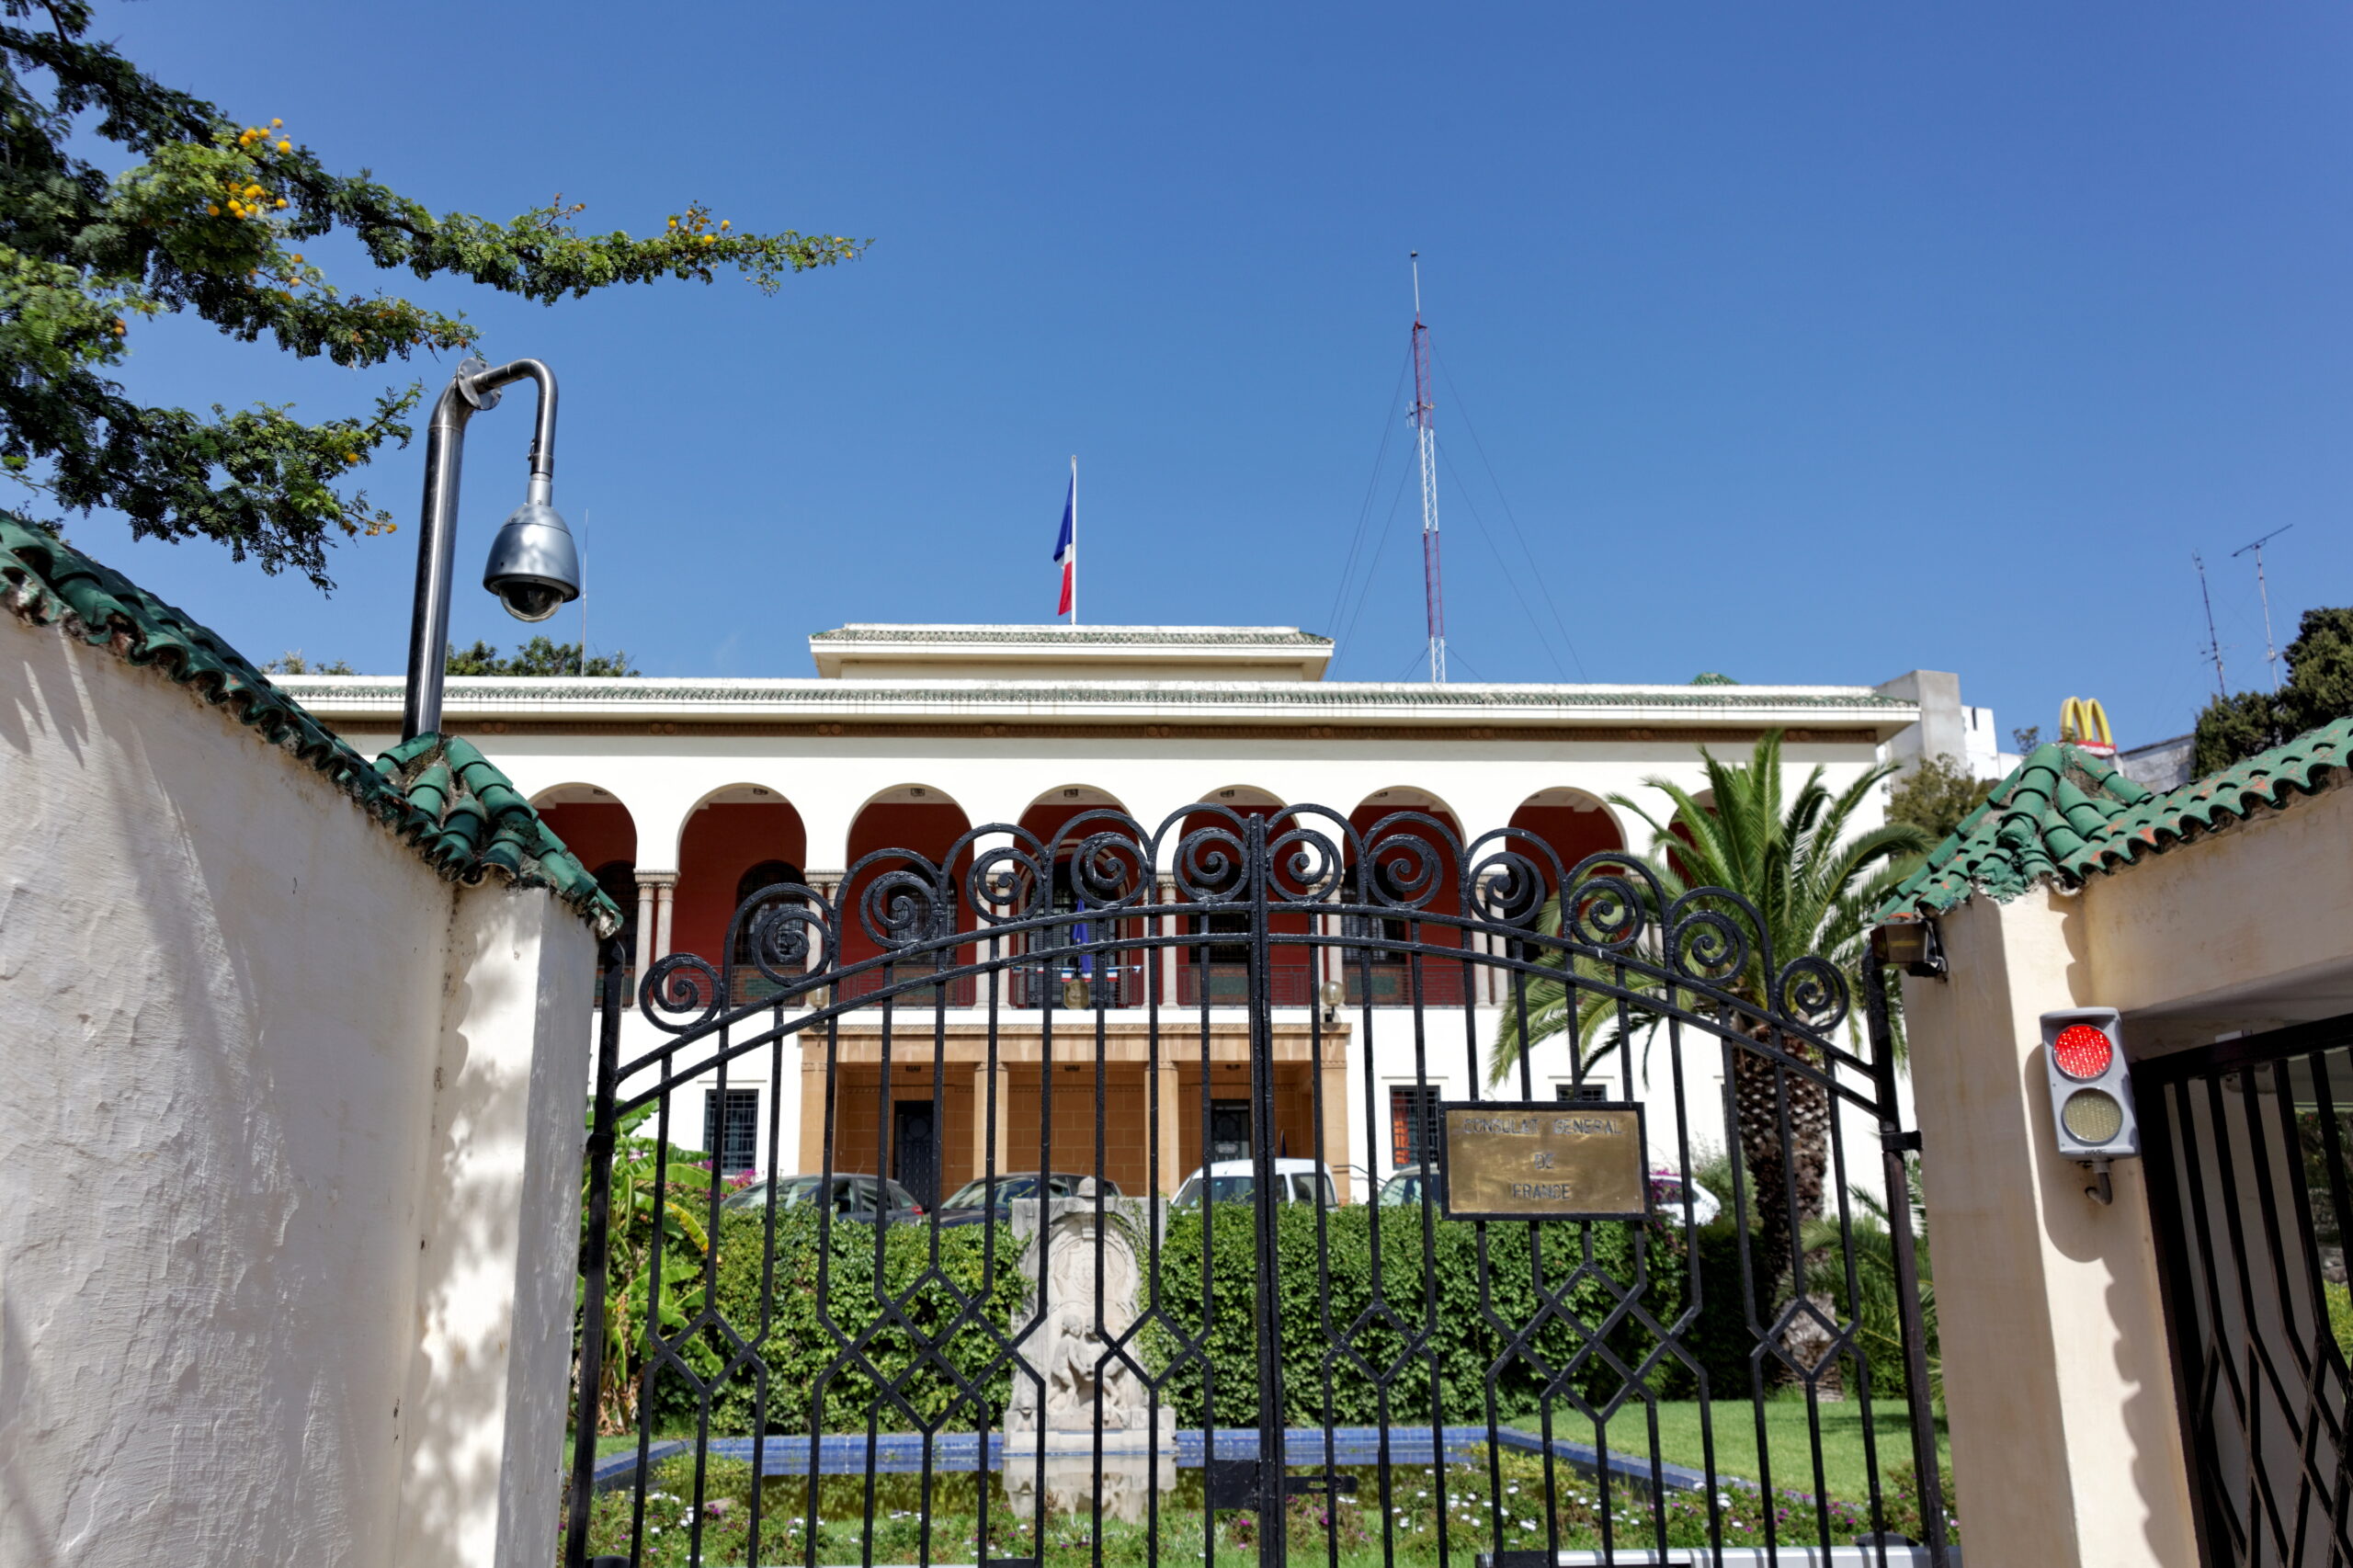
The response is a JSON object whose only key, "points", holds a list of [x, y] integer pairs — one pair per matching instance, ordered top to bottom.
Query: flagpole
{"points": [[1073, 538]]}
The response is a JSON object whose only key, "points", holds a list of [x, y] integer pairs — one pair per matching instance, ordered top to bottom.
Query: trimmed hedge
{"points": [[964, 1301], [1203, 1346], [1336, 1353]]}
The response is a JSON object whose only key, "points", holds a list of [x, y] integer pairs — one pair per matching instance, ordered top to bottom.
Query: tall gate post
{"points": [[1893, 1142]]}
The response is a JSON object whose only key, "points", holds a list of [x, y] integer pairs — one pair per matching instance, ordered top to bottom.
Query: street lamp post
{"points": [[533, 568]]}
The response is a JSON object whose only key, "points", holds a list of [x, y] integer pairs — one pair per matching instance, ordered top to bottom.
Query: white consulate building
{"points": [[687, 795]]}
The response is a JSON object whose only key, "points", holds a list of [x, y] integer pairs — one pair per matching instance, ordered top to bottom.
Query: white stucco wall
{"points": [[279, 1137]]}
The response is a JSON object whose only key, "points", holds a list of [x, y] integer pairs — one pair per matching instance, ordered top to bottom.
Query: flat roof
{"points": [[1271, 704]]}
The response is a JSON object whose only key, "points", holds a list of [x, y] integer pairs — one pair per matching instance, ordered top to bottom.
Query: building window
{"points": [[1595, 1090], [1412, 1124], [732, 1134]]}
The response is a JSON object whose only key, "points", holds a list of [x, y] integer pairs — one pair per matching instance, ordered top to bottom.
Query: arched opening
{"points": [[925, 821], [1570, 823], [731, 832], [602, 835], [1408, 858], [1068, 966], [1217, 970], [750, 983]]}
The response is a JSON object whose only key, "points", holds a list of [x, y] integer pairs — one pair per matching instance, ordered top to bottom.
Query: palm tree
{"points": [[1813, 885]]}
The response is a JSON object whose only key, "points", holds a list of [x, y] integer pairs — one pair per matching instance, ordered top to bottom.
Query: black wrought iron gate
{"points": [[2247, 1144], [1103, 1343]]}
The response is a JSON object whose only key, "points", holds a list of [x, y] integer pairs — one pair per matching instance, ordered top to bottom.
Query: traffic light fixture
{"points": [[2091, 1088]]}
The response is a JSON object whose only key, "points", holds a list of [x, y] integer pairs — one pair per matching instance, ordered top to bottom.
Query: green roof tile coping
{"points": [[441, 797], [2063, 816]]}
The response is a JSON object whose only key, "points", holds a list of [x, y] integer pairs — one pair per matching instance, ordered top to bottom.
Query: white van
{"points": [[1236, 1181]]}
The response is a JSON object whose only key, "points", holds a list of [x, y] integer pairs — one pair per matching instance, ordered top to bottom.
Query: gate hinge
{"points": [[1901, 1143]]}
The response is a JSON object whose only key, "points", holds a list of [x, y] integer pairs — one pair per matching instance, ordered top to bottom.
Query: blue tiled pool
{"points": [[903, 1453]]}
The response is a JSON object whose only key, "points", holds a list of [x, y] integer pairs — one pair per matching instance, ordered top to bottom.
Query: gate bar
{"points": [[1893, 1142]]}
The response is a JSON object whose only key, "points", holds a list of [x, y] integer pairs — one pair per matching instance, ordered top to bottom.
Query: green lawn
{"points": [[1735, 1428], [1417, 1521]]}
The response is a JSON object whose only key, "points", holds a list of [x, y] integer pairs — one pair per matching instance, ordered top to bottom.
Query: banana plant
{"points": [[642, 1208]]}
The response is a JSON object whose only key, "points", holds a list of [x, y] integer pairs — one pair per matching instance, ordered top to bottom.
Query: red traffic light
{"points": [[2081, 1052]]}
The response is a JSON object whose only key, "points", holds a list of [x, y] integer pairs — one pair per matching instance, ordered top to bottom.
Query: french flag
{"points": [[1066, 547]]}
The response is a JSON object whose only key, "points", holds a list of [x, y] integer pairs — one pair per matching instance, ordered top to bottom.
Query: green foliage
{"points": [[207, 225], [540, 657], [292, 663], [2318, 690], [2233, 729], [2025, 738], [1935, 796], [1794, 859], [1796, 863], [643, 1208], [819, 1303], [1874, 1306], [1476, 1308]]}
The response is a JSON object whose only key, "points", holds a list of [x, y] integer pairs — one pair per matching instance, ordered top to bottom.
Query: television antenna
{"points": [[2213, 649], [2270, 651]]}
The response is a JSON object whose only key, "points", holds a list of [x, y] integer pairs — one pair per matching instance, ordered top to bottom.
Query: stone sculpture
{"points": [[1073, 1389]]}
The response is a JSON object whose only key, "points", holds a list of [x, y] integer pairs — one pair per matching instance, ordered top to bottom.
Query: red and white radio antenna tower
{"points": [[1426, 444]]}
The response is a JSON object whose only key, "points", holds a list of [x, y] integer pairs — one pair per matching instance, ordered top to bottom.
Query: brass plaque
{"points": [[1543, 1160]]}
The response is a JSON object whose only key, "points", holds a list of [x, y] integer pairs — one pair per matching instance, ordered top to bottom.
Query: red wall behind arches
{"points": [[922, 826], [597, 832], [1572, 834], [721, 842]]}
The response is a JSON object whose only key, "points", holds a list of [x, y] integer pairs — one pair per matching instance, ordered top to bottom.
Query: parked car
{"points": [[1236, 1181], [1406, 1184], [1670, 1192], [854, 1197], [977, 1199]]}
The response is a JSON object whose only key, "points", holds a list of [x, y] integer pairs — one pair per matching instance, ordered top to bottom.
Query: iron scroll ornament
{"points": [[1614, 913]]}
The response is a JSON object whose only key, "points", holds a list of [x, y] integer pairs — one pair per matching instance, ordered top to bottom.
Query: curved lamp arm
{"points": [[475, 386]]}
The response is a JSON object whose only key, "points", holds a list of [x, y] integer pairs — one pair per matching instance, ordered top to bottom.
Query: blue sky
{"points": [[1802, 343]]}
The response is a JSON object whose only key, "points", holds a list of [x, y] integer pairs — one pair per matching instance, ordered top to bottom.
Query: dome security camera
{"points": [[534, 567]]}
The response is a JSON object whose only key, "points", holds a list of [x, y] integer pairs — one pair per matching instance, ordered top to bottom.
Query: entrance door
{"points": [[1229, 1130], [915, 1149]]}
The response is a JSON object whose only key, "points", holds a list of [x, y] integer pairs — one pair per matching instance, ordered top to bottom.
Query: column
{"points": [[647, 882], [664, 891], [1172, 956], [1335, 1069], [981, 1073], [812, 1105], [1174, 1162]]}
